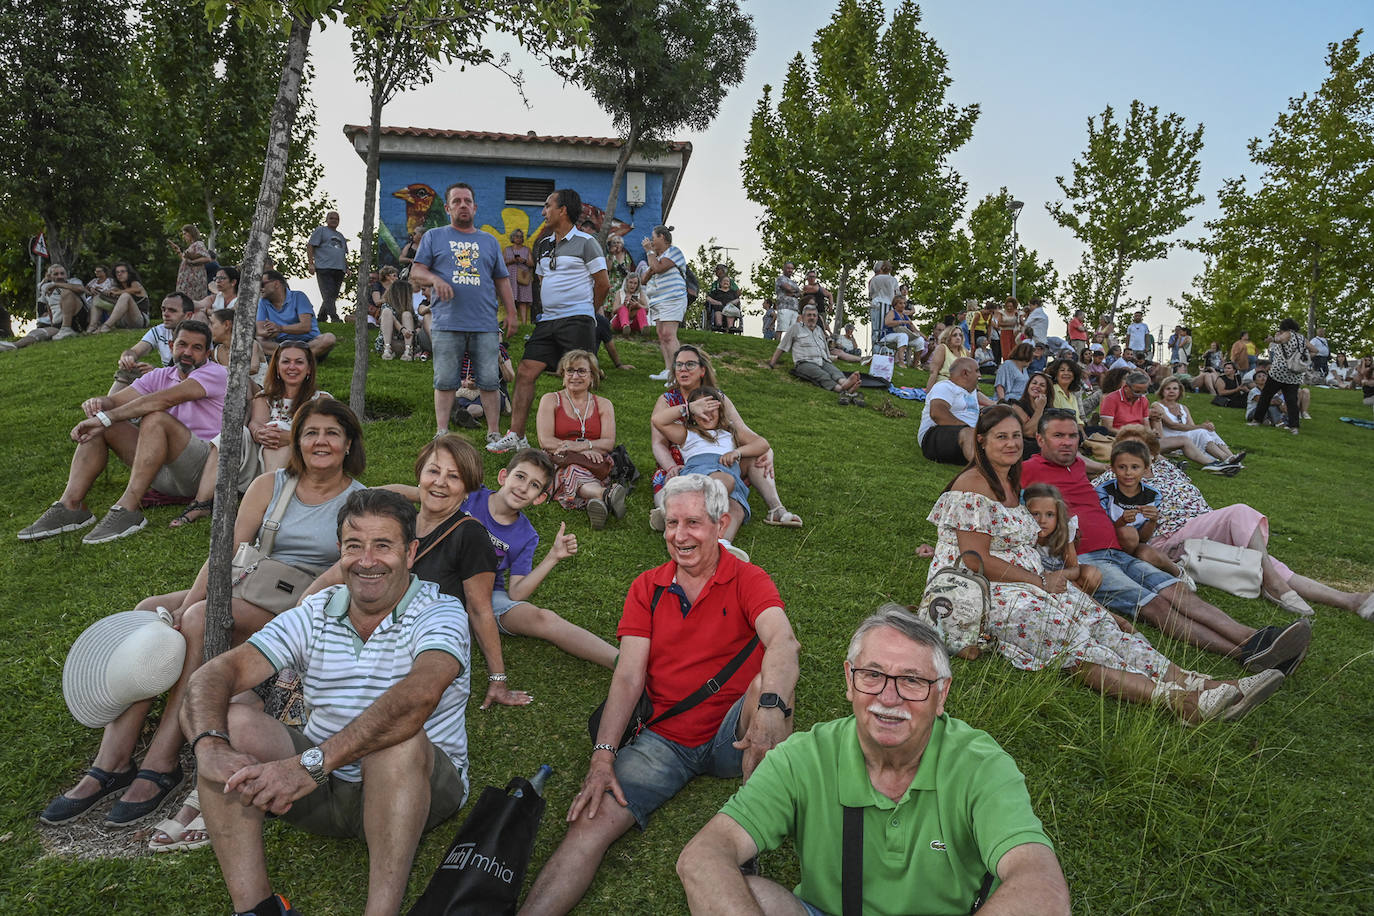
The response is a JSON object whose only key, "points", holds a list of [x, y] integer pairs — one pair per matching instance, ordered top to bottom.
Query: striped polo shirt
{"points": [[565, 271], [342, 675]]}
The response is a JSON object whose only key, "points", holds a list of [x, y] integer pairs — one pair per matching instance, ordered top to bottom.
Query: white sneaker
{"points": [[65, 333], [7, 345], [387, 354], [660, 376], [508, 443], [731, 548]]}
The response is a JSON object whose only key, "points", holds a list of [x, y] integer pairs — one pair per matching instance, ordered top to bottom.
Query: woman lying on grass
{"points": [[1038, 619]]}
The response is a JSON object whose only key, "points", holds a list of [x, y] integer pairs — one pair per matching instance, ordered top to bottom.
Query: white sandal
{"points": [[778, 515], [176, 830]]}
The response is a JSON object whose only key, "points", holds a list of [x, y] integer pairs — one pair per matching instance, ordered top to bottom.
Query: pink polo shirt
{"points": [[202, 416]]}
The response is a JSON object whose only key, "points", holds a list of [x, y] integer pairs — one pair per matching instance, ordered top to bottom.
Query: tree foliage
{"points": [[660, 66], [852, 165], [1129, 195], [1301, 243]]}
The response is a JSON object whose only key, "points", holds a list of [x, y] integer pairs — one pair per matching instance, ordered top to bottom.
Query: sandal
{"points": [[204, 507], [778, 515], [63, 809], [127, 813], [175, 831]]}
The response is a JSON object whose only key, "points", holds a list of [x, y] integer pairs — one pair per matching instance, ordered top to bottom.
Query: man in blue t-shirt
{"points": [[467, 271], [285, 314]]}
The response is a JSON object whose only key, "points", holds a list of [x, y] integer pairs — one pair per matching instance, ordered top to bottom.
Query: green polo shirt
{"points": [[927, 853]]}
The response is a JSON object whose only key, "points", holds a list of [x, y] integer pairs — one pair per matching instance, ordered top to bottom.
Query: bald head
{"points": [[964, 373]]}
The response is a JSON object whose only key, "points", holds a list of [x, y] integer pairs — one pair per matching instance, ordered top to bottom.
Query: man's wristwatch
{"points": [[773, 701], [313, 761]]}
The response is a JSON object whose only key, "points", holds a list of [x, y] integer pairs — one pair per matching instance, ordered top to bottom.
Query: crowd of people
{"points": [[388, 586]]}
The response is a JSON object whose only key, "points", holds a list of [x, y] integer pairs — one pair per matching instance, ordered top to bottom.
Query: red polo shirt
{"points": [[1123, 414], [1095, 529], [687, 649]]}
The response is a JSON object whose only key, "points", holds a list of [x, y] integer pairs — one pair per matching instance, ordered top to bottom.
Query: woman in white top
{"points": [[1175, 427]]}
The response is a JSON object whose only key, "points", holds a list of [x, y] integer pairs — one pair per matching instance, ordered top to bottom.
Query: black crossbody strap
{"points": [[712, 686], [852, 864], [982, 897]]}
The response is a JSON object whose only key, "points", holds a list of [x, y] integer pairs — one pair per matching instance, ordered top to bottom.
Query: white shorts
{"points": [[672, 310]]}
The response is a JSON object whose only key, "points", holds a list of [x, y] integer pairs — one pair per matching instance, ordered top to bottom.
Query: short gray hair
{"points": [[1137, 377], [717, 502], [909, 625]]}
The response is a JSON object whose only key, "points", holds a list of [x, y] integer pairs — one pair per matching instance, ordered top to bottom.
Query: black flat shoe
{"points": [[63, 809], [127, 813]]}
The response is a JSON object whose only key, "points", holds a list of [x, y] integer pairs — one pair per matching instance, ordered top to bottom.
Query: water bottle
{"points": [[537, 781]]}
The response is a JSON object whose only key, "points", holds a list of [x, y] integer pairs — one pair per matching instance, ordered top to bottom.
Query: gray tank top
{"points": [[308, 534]]}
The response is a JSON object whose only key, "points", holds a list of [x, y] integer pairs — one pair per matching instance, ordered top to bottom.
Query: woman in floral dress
{"points": [[191, 278], [1038, 619]]}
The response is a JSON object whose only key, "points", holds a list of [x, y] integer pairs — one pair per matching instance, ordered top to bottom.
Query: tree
{"points": [[398, 47], [658, 66], [65, 70], [852, 166], [1130, 190], [1301, 244]]}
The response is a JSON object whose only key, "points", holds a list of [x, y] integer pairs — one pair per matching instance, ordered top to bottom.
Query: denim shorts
{"points": [[451, 346], [710, 464], [1127, 583], [500, 603], [651, 769]]}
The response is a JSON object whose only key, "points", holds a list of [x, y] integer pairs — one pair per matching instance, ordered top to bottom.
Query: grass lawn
{"points": [[1271, 815]]}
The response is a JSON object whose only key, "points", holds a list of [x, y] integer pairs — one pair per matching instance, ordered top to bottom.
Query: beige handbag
{"points": [[1234, 570], [258, 579]]}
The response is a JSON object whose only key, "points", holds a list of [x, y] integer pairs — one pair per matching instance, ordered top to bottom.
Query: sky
{"points": [[1038, 72]]}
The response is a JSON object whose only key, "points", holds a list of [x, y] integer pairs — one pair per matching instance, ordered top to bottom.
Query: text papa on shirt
{"points": [[466, 257]]}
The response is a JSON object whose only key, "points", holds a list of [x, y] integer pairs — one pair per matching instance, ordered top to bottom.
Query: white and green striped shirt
{"points": [[342, 675]]}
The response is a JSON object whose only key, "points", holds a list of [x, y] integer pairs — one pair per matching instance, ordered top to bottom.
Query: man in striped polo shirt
{"points": [[383, 661]]}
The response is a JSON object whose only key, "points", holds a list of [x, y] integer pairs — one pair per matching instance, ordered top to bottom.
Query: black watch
{"points": [[773, 701]]}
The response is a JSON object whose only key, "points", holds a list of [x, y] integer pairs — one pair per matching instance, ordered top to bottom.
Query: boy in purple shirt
{"points": [[525, 482]]}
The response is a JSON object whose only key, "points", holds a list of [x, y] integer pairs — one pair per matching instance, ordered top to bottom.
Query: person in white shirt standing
{"points": [[667, 286], [1138, 333]]}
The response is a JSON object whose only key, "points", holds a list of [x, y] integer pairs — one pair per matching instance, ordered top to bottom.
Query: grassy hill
{"points": [[1270, 815]]}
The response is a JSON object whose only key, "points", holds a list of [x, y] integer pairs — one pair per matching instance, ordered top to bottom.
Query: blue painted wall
{"points": [[421, 185]]}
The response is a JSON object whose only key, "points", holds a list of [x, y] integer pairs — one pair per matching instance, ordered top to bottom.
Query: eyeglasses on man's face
{"points": [[874, 682]]}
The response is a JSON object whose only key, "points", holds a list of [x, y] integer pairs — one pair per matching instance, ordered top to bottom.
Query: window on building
{"points": [[528, 192]]}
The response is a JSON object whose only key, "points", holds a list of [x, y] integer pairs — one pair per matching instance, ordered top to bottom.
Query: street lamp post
{"points": [[1015, 207]]}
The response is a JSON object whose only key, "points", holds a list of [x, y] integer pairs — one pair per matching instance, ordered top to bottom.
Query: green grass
{"points": [[1270, 815]]}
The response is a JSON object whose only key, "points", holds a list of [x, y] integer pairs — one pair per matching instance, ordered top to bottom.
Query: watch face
{"points": [[769, 699], [313, 757]]}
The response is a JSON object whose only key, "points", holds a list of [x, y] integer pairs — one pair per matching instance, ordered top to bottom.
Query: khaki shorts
{"points": [[181, 476], [336, 808]]}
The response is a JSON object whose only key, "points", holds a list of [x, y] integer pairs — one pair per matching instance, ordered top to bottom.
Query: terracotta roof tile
{"points": [[352, 130]]}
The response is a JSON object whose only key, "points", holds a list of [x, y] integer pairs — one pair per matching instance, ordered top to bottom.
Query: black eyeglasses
{"points": [[873, 683]]}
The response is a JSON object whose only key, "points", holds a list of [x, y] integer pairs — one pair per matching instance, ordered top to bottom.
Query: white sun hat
{"points": [[119, 660]]}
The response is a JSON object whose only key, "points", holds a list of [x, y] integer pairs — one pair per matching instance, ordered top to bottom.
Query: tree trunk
{"points": [[613, 199], [211, 224], [60, 250], [1117, 275], [1312, 296], [838, 321], [357, 392], [218, 617]]}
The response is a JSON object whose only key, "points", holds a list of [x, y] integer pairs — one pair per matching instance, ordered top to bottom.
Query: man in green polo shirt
{"points": [[945, 812]]}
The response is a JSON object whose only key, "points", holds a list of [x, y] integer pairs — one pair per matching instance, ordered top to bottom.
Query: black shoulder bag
{"points": [[643, 715], [852, 868]]}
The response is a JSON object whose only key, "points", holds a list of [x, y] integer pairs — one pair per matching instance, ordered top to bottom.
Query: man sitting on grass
{"points": [[175, 309], [286, 314], [811, 359], [179, 408], [951, 411], [384, 666], [961, 822]]}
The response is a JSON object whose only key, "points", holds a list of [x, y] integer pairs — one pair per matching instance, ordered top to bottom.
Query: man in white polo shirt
{"points": [[572, 276], [384, 666]]}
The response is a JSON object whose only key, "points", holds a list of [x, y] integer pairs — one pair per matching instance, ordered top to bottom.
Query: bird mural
{"points": [[424, 209]]}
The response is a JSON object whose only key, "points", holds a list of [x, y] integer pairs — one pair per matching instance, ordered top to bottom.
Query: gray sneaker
{"points": [[8, 345], [499, 445], [615, 499], [57, 520], [118, 523]]}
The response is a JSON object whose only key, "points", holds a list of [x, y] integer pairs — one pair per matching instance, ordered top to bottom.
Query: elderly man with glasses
{"points": [[898, 808]]}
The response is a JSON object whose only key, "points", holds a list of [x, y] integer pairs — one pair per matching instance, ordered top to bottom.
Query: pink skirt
{"points": [[1234, 525]]}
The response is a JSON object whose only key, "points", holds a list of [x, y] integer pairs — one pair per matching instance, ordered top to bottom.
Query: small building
{"points": [[511, 176]]}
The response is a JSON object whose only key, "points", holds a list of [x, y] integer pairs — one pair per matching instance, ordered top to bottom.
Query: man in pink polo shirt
{"points": [[179, 409], [1132, 587]]}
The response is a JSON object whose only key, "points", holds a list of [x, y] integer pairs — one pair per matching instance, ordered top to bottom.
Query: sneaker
{"points": [[65, 333], [7, 345], [387, 354], [661, 376], [1305, 415], [1252, 423], [1293, 430], [499, 445], [1232, 471], [615, 499], [596, 513], [657, 519], [57, 520], [117, 523], [731, 548], [1278, 646], [282, 902]]}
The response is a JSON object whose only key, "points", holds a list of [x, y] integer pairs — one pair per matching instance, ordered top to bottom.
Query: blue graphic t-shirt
{"points": [[472, 263]]}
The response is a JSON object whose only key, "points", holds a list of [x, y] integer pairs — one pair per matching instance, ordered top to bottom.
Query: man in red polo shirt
{"points": [[1127, 404], [1132, 587], [684, 623]]}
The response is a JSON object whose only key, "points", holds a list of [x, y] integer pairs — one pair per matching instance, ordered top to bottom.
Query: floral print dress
{"points": [[1032, 628]]}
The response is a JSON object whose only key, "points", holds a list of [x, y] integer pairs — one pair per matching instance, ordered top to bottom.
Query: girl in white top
{"points": [[711, 444]]}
